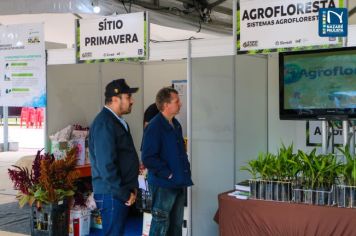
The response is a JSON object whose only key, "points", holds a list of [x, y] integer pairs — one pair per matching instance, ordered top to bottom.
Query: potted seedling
{"points": [[252, 168], [326, 171], [262, 172], [267, 172], [285, 172], [308, 174], [346, 191]]}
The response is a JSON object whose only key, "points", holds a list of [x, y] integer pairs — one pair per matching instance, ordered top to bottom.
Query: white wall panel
{"points": [[161, 74], [72, 95], [251, 110], [212, 138]]}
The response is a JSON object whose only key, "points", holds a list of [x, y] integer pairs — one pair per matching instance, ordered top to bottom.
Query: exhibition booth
{"points": [[231, 115]]}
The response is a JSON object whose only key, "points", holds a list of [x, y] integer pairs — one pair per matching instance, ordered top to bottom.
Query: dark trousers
{"points": [[167, 211], [113, 214]]}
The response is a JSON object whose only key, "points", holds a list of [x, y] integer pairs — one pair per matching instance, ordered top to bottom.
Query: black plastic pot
{"points": [[254, 189], [262, 190], [269, 190], [277, 191], [285, 192], [298, 195], [308, 196], [346, 196], [322, 197]]}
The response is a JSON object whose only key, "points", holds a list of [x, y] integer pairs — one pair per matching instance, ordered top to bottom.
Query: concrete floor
{"points": [[26, 137], [30, 140], [7, 193], [3, 233]]}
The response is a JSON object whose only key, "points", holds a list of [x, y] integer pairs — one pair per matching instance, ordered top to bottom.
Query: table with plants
{"points": [[294, 193]]}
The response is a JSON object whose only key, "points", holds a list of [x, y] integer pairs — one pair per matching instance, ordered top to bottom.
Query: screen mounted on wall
{"points": [[319, 84]]}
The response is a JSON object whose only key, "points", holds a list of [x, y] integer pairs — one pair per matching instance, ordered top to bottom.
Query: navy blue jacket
{"points": [[163, 154], [113, 157]]}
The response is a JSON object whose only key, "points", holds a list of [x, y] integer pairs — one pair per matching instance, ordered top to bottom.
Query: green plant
{"points": [[286, 164], [252, 167], [262, 167], [267, 167], [282, 167], [348, 169], [307, 170], [327, 170], [318, 171], [49, 181]]}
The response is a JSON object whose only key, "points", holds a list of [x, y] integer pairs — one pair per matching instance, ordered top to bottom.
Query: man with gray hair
{"points": [[169, 175]]}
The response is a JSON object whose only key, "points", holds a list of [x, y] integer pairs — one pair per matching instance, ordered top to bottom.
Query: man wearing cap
{"points": [[113, 158]]}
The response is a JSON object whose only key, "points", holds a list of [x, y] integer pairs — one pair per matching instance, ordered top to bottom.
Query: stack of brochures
{"points": [[242, 190]]}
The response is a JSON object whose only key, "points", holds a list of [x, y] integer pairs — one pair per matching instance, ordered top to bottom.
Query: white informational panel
{"points": [[282, 23], [121, 36], [22, 66], [181, 87], [313, 129]]}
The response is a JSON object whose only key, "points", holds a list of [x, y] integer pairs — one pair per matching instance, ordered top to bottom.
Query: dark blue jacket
{"points": [[163, 154], [113, 157]]}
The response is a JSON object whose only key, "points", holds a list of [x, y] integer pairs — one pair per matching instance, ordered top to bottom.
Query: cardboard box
{"points": [[79, 222]]}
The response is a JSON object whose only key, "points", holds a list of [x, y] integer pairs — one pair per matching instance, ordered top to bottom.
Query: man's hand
{"points": [[132, 199]]}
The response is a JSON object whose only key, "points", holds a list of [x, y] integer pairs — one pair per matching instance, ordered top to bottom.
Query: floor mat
{"points": [[15, 219]]}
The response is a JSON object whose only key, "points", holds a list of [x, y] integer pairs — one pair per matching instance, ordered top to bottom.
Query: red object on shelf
{"points": [[84, 171], [76, 227]]}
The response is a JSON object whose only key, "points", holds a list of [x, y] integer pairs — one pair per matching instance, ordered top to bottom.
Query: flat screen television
{"points": [[317, 84]]}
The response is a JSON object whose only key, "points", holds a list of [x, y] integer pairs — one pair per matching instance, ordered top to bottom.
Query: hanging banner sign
{"points": [[280, 24], [115, 37], [22, 66]]}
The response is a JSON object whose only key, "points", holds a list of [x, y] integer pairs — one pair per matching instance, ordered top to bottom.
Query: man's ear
{"points": [[116, 99], [164, 106]]}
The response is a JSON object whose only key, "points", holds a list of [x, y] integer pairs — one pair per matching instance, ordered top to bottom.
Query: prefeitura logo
{"points": [[333, 22]]}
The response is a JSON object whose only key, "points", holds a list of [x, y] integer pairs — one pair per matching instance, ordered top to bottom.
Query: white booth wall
{"points": [[160, 74], [75, 94], [72, 95], [251, 110], [229, 127], [212, 138]]}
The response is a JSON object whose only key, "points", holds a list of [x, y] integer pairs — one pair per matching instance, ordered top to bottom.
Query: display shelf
{"points": [[84, 171]]}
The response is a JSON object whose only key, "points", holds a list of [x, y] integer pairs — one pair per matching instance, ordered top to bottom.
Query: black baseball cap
{"points": [[118, 86]]}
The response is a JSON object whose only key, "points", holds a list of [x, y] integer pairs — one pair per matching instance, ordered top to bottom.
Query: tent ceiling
{"points": [[183, 14], [211, 15], [59, 28]]}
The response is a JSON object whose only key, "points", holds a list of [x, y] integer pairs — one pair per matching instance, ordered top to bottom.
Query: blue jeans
{"points": [[167, 211], [113, 214]]}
